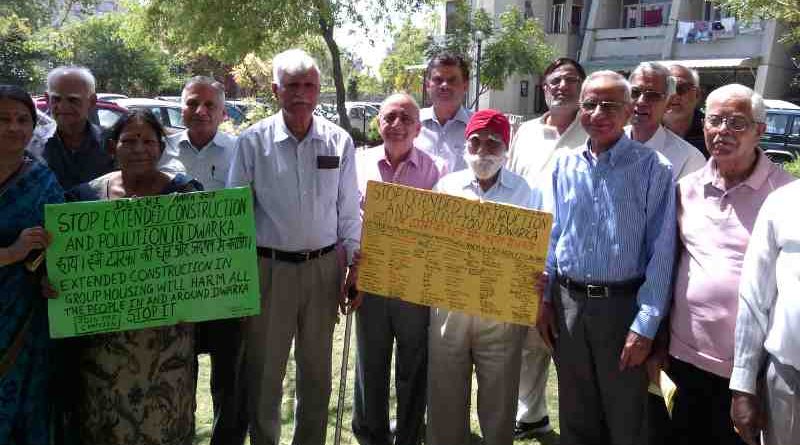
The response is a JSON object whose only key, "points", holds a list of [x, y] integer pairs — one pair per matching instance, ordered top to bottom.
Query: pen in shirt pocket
{"points": [[213, 168]]}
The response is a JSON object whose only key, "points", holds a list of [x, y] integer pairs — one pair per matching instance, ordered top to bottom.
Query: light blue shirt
{"points": [[444, 141], [209, 165], [510, 188], [305, 192], [614, 221]]}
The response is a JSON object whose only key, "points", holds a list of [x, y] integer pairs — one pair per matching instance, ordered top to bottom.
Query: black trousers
{"points": [[222, 340], [701, 414]]}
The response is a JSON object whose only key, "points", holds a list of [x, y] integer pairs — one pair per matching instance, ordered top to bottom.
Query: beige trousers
{"points": [[299, 302], [457, 342]]}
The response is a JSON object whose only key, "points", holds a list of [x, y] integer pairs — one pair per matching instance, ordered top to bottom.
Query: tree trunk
{"points": [[338, 80]]}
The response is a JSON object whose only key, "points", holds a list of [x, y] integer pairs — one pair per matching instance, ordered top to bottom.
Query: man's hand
{"points": [[29, 239], [349, 297], [546, 324], [634, 353], [747, 418]]}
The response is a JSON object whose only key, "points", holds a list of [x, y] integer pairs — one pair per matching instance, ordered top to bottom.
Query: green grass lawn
{"points": [[204, 410]]}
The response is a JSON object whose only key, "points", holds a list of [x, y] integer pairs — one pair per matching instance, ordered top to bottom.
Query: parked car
{"points": [[110, 97], [168, 113], [104, 114], [360, 114], [781, 140]]}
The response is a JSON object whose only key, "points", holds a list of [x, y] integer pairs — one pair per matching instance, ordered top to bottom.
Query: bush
{"points": [[793, 168]]}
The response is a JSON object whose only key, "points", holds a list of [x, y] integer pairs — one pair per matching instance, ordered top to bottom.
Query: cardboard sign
{"points": [[433, 249], [152, 261]]}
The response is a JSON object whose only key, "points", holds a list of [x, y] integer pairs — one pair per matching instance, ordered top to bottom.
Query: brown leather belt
{"points": [[293, 257], [602, 290]]}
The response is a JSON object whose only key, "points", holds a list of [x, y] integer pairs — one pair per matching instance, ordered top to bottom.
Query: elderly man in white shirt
{"points": [[651, 87], [443, 123], [205, 153], [533, 153], [302, 171], [459, 342], [766, 364]]}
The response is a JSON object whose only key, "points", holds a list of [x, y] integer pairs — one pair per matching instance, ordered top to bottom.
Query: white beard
{"points": [[485, 166]]}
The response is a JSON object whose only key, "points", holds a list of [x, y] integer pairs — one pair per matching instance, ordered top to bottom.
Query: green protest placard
{"points": [[152, 261]]}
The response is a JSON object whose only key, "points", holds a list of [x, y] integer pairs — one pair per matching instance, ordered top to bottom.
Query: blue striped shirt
{"points": [[614, 220]]}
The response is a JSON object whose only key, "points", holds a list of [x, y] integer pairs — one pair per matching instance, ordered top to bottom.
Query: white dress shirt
{"points": [[444, 141], [534, 151], [684, 157], [209, 165], [510, 188], [306, 192], [769, 300]]}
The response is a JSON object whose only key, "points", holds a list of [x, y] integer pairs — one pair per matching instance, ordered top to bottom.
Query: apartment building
{"points": [[618, 34]]}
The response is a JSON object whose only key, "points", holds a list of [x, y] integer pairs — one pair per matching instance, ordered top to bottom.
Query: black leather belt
{"points": [[293, 257], [603, 290]]}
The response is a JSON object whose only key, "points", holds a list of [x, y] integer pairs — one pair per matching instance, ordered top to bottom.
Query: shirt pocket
{"points": [[327, 186]]}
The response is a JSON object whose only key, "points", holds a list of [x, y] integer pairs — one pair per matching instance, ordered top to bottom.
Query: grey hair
{"points": [[292, 61], [68, 70], [659, 70], [692, 73], [614, 76], [204, 80], [400, 96], [758, 109]]}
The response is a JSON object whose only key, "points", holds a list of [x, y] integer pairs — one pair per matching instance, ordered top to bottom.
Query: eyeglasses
{"points": [[555, 81], [683, 88], [648, 95], [606, 106], [405, 119], [735, 123], [491, 143]]}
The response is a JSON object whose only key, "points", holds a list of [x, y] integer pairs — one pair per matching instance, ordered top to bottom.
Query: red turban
{"points": [[492, 120]]}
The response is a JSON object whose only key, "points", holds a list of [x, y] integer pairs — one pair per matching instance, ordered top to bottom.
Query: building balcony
{"points": [[717, 39], [629, 42]]}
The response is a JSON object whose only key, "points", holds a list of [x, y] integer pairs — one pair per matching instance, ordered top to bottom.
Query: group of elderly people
{"points": [[661, 263]]}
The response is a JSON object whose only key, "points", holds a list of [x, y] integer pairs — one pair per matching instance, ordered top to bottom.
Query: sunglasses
{"points": [[555, 81], [683, 88], [648, 95], [606, 106]]}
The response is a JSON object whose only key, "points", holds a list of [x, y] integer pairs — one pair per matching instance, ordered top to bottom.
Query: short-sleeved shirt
{"points": [[444, 141], [209, 165], [73, 167], [306, 192], [714, 226]]}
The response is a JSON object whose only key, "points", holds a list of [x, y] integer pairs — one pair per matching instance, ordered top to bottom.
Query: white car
{"points": [[168, 113]]}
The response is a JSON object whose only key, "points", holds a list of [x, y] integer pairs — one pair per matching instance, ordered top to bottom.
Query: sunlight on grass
{"points": [[203, 415]]}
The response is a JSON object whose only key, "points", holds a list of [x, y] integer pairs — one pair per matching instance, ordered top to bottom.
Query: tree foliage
{"points": [[785, 11], [229, 30], [511, 45], [407, 50], [18, 53], [120, 62]]}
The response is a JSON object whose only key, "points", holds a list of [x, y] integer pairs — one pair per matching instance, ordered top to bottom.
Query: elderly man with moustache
{"points": [[651, 87], [682, 115], [443, 123], [76, 152], [205, 153], [533, 153], [302, 171], [717, 207], [608, 269], [382, 321], [459, 341]]}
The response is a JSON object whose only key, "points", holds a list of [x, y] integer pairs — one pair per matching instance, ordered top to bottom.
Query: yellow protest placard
{"points": [[480, 258]]}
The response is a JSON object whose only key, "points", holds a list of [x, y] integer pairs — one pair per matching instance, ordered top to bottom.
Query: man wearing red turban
{"points": [[457, 341]]}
